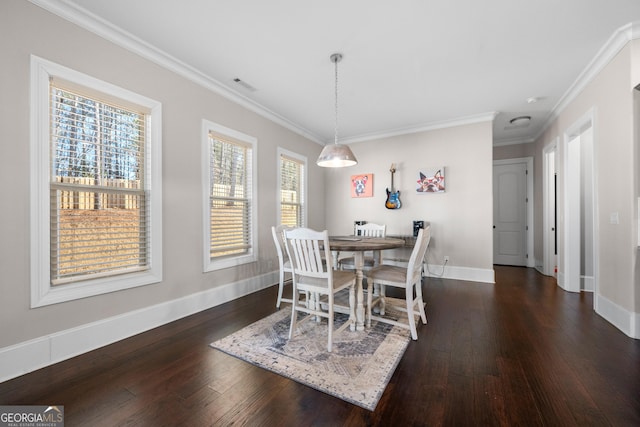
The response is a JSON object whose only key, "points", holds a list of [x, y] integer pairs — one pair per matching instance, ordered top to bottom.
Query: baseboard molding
{"points": [[539, 267], [460, 273], [560, 281], [587, 283], [627, 321], [37, 353]]}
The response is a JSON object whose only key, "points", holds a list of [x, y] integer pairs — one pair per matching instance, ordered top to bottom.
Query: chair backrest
{"points": [[371, 230], [278, 238], [306, 249], [416, 261]]}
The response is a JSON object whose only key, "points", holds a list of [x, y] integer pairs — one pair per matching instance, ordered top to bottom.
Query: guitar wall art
{"points": [[393, 196]]}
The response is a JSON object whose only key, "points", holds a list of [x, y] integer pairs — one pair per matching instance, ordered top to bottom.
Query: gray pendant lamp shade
{"points": [[336, 155]]}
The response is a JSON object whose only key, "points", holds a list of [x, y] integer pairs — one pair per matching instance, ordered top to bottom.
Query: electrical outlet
{"points": [[446, 259]]}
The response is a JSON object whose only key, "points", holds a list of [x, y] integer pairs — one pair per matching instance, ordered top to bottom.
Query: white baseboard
{"points": [[539, 267], [460, 273], [560, 280], [587, 283], [623, 319], [37, 353]]}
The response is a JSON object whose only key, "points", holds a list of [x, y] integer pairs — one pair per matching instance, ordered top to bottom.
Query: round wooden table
{"points": [[358, 245]]}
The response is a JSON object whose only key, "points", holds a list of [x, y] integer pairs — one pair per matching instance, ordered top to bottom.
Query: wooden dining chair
{"points": [[308, 249], [370, 260], [284, 263], [409, 278]]}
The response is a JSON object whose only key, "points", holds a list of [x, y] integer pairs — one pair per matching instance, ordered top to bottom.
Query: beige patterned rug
{"points": [[357, 370]]}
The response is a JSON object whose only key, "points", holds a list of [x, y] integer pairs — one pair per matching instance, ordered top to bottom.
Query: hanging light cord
{"points": [[336, 58], [336, 155]]}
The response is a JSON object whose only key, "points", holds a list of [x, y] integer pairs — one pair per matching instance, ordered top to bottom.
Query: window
{"points": [[95, 155], [292, 185], [230, 199]]}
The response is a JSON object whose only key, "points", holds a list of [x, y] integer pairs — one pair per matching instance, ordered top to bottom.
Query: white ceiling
{"points": [[408, 64]]}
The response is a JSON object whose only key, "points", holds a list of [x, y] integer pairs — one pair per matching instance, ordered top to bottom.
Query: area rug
{"points": [[357, 370]]}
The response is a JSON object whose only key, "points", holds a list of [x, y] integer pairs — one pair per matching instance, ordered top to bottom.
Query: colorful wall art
{"points": [[431, 180], [362, 185]]}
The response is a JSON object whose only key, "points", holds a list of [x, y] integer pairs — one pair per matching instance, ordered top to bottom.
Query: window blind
{"points": [[291, 191], [230, 197], [98, 203]]}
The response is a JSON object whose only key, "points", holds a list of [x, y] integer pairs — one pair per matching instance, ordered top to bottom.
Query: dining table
{"points": [[359, 245]]}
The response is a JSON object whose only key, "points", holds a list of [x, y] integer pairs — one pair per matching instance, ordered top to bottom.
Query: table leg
{"points": [[377, 260], [359, 265]]}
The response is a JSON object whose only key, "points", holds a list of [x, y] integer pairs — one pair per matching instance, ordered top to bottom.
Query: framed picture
{"points": [[431, 180], [362, 185]]}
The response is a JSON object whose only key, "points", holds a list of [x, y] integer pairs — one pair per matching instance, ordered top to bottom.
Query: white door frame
{"points": [[549, 200], [572, 224], [529, 234], [570, 246]]}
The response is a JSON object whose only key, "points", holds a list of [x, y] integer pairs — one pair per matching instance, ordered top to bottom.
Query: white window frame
{"points": [[302, 159], [252, 254], [42, 292]]}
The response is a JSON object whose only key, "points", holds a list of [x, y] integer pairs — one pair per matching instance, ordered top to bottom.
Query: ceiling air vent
{"points": [[244, 84]]}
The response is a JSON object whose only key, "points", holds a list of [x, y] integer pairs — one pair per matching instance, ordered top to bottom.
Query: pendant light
{"points": [[336, 155]]}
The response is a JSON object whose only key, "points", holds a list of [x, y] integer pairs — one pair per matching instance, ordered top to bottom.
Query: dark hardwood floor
{"points": [[521, 352]]}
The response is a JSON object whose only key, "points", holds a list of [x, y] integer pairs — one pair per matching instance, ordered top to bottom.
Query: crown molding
{"points": [[95, 24], [101, 27], [607, 52], [478, 118], [505, 142]]}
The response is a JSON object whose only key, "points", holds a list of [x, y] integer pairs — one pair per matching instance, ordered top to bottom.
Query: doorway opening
{"points": [[578, 272]]}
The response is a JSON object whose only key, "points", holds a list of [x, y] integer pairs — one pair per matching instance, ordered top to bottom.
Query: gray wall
{"points": [[27, 29], [609, 96], [461, 218]]}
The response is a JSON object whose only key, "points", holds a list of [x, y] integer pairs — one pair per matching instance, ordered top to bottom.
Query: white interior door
{"points": [[510, 214], [550, 236]]}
